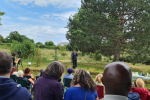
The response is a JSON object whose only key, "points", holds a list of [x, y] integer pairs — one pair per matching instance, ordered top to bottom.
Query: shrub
{"points": [[27, 47], [50, 47], [64, 54], [81, 54], [98, 57], [38, 58], [44, 59]]}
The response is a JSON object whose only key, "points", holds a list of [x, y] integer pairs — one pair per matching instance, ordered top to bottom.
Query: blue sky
{"points": [[41, 20]]}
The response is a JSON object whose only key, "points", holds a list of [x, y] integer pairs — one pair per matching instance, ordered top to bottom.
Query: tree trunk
{"points": [[117, 51]]}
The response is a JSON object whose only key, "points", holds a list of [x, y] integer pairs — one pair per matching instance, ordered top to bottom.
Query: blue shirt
{"points": [[69, 76], [77, 93]]}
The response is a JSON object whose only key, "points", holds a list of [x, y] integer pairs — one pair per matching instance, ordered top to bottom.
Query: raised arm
{"points": [[16, 61]]}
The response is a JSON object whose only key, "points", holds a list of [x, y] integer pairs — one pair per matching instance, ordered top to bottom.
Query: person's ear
{"points": [[12, 70], [130, 86]]}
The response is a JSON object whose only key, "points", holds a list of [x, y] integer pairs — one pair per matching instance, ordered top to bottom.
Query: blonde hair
{"points": [[20, 73], [98, 78], [84, 79], [140, 83]]}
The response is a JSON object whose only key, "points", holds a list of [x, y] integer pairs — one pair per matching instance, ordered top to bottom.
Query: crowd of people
{"points": [[116, 80]]}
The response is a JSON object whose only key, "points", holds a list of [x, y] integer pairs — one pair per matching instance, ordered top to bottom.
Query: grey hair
{"points": [[6, 63], [54, 69], [15, 73], [20, 73]]}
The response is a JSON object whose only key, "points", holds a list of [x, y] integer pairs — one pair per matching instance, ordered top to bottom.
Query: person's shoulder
{"points": [[65, 75], [56, 84], [73, 88], [145, 89], [23, 91], [133, 95]]}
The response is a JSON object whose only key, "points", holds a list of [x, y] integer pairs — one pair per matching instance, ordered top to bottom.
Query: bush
{"points": [[49, 43], [5, 44], [27, 47], [50, 47], [64, 54], [81, 54], [98, 57], [38, 58], [44, 59]]}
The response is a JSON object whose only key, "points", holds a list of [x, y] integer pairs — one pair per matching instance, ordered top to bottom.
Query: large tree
{"points": [[110, 26], [14, 35], [49, 43]]}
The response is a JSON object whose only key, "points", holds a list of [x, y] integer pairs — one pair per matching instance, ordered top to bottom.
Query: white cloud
{"points": [[60, 3], [45, 16], [62, 16], [5, 17], [23, 18], [35, 32]]}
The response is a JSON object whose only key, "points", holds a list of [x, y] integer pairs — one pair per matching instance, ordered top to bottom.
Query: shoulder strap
{"points": [[85, 96]]}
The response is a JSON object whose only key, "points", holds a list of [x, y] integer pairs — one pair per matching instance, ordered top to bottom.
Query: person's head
{"points": [[74, 51], [14, 54], [6, 64], [54, 69], [27, 71], [70, 71], [41, 72], [88, 72], [15, 73], [20, 73], [99, 78], [84, 79], [117, 79], [59, 80], [140, 83]]}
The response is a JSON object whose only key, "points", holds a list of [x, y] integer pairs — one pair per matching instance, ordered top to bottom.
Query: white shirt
{"points": [[115, 97]]}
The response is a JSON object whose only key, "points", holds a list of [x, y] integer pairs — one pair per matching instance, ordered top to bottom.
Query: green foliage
{"points": [[1, 14], [103, 25], [15, 36], [1, 38], [49, 43], [5, 44], [40, 45], [27, 47], [50, 47], [69, 48], [63, 53], [98, 57], [38, 58]]}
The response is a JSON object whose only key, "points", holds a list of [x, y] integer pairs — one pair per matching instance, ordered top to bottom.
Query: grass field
{"points": [[85, 62]]}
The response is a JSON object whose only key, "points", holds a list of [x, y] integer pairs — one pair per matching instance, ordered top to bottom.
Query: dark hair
{"points": [[14, 54], [6, 63], [54, 69], [27, 70], [41, 72], [84, 79], [59, 80]]}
